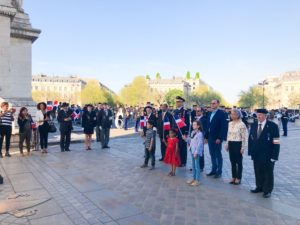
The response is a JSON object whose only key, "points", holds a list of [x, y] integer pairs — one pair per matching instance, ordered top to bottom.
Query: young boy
{"points": [[150, 137]]}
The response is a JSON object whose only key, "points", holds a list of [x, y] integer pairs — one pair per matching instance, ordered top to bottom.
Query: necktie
{"points": [[259, 130]]}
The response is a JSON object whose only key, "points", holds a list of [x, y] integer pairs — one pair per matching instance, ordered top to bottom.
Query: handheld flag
{"points": [[49, 106], [180, 123], [167, 124]]}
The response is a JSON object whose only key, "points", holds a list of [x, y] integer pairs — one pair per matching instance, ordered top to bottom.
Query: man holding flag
{"points": [[164, 124], [182, 124]]}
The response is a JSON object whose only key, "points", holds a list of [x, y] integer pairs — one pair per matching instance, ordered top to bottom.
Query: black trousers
{"points": [[284, 127], [43, 130], [5, 131], [98, 133], [105, 134], [65, 139], [162, 148], [183, 151], [148, 155], [236, 158], [264, 176]]}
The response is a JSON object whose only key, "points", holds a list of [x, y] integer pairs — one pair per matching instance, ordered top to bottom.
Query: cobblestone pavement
{"points": [[108, 187]]}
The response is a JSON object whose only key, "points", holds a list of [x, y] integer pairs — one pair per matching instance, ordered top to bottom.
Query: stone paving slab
{"points": [[108, 187]]}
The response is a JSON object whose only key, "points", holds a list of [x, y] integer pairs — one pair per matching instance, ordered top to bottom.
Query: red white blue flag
{"points": [[49, 105], [75, 115], [143, 121], [179, 121], [167, 124]]}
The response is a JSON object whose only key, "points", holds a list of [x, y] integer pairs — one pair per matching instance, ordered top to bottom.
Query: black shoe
{"points": [[62, 150], [68, 150], [7, 154], [161, 159], [144, 166], [152, 168], [211, 174], [217, 176], [238, 183], [256, 190], [267, 195]]}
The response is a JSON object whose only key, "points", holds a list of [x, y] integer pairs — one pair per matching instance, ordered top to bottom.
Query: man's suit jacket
{"points": [[105, 120], [160, 123], [65, 125], [217, 127], [267, 146]]}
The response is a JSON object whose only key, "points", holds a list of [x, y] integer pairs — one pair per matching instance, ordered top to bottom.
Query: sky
{"points": [[233, 44]]}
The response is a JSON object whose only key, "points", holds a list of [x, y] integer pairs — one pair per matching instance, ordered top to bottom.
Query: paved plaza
{"points": [[108, 187]]}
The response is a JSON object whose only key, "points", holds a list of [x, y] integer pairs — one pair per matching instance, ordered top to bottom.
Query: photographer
{"points": [[6, 118]]}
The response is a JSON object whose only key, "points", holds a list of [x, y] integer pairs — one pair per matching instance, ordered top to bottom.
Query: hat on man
{"points": [[179, 99], [148, 107], [263, 111]]}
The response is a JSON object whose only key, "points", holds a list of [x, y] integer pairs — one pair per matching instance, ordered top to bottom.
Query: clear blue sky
{"points": [[232, 43]]}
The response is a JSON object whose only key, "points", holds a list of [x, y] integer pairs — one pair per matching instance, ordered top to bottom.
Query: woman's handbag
{"points": [[52, 127]]}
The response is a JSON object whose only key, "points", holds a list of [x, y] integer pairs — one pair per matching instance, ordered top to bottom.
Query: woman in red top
{"points": [[172, 153]]}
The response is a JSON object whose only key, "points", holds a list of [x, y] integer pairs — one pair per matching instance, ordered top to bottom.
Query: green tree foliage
{"points": [[188, 75], [158, 76], [197, 76], [148, 77], [92, 93], [136, 93], [171, 95], [206, 97], [252, 98], [294, 100]]}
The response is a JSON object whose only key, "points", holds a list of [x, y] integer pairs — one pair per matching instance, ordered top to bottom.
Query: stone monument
{"points": [[16, 38]]}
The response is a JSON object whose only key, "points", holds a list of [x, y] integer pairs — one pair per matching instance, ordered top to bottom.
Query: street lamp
{"points": [[265, 82]]}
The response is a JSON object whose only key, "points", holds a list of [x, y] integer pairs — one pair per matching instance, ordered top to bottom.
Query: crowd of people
{"points": [[181, 132]]}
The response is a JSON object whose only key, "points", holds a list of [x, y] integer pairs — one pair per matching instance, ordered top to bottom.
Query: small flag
{"points": [[56, 103], [49, 106], [75, 115], [143, 121], [180, 123], [167, 124]]}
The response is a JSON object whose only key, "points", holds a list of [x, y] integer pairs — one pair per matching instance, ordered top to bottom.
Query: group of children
{"points": [[195, 143]]}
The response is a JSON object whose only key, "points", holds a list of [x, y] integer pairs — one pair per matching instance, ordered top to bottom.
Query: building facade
{"points": [[67, 89], [283, 90]]}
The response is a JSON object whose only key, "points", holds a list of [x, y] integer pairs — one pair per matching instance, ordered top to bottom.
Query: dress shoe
{"points": [[62, 150], [67, 150], [7, 154], [161, 159], [144, 166], [152, 168], [211, 174], [217, 176], [237, 183], [256, 190], [267, 195]]}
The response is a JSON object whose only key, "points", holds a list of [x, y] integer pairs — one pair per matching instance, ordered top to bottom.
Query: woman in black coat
{"points": [[88, 123]]}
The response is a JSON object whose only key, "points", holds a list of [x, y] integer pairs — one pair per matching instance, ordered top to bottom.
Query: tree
{"points": [[188, 75], [158, 76], [197, 76], [148, 77], [92, 93], [136, 93], [171, 95], [206, 97], [253, 97], [294, 100]]}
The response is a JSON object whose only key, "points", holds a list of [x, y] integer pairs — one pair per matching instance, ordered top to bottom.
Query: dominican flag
{"points": [[49, 105], [75, 115], [143, 121], [179, 121], [167, 124]]}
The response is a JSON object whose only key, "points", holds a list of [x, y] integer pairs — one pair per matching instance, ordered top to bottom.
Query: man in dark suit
{"points": [[193, 113], [163, 116], [200, 117], [105, 118], [65, 120], [284, 121], [217, 127], [98, 131], [183, 132], [263, 147]]}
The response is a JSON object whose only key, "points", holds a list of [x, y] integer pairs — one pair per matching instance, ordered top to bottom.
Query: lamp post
{"points": [[265, 82]]}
